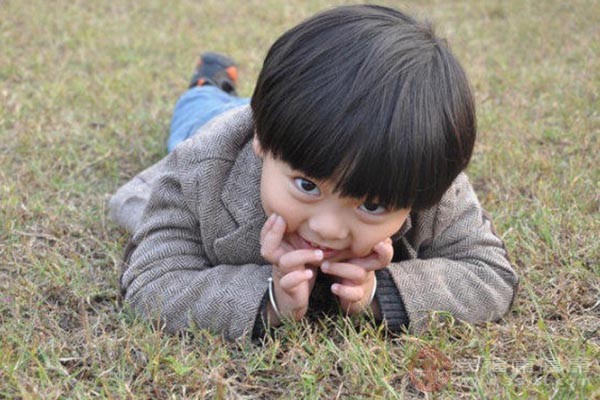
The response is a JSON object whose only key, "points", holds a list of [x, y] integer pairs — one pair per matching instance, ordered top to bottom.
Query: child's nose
{"points": [[329, 226]]}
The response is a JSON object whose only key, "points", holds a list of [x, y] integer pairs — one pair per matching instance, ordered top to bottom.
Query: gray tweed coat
{"points": [[194, 257]]}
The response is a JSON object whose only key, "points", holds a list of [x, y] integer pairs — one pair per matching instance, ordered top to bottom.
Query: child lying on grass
{"points": [[341, 181]]}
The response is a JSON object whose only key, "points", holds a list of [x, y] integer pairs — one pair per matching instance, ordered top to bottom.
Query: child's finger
{"points": [[267, 226], [274, 226], [271, 242], [385, 251], [381, 256], [299, 258], [368, 263], [345, 271], [291, 280], [348, 293]]}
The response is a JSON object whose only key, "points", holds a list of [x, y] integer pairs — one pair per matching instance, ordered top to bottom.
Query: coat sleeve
{"points": [[127, 204], [460, 266], [167, 276]]}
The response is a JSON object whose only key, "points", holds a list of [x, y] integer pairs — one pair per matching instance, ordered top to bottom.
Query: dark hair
{"points": [[371, 98]]}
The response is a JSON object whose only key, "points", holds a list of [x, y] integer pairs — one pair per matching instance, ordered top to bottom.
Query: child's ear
{"points": [[256, 146]]}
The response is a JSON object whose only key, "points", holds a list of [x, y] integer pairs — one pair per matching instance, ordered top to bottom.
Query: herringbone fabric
{"points": [[196, 251]]}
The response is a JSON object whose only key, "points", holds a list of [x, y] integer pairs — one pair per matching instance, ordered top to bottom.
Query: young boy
{"points": [[342, 181]]}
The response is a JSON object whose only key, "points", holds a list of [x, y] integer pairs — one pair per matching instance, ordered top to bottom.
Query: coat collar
{"points": [[241, 193], [240, 198], [405, 227]]}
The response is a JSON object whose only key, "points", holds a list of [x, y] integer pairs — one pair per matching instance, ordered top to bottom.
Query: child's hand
{"points": [[356, 277], [293, 281]]}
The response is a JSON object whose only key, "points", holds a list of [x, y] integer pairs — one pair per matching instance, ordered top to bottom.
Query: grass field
{"points": [[86, 91]]}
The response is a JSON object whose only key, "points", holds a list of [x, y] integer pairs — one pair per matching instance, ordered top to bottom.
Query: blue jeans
{"points": [[195, 108]]}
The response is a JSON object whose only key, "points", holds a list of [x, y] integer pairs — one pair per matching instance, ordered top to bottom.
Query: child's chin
{"points": [[339, 257]]}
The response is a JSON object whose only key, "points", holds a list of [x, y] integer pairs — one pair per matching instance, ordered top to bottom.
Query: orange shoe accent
{"points": [[232, 72], [201, 81]]}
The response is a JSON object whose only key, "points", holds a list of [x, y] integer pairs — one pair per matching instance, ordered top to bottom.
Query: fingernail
{"points": [[319, 253], [325, 266], [309, 273], [335, 288]]}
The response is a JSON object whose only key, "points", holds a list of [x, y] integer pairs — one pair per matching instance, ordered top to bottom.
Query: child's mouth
{"points": [[300, 243]]}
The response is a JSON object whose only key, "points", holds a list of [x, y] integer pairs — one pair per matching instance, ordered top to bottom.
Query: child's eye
{"points": [[307, 186], [372, 208]]}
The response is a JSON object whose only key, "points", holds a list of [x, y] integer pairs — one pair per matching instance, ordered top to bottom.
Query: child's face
{"points": [[342, 227]]}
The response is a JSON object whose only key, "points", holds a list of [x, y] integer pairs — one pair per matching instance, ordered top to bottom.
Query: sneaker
{"points": [[217, 70]]}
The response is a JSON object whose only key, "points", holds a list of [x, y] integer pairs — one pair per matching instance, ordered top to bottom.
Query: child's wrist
{"points": [[372, 296], [372, 307], [375, 310], [275, 318]]}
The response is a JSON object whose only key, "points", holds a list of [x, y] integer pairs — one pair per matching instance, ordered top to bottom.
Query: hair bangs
{"points": [[363, 153]]}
